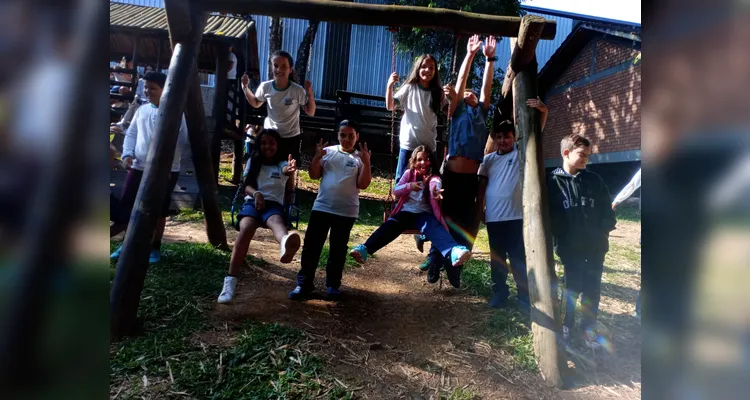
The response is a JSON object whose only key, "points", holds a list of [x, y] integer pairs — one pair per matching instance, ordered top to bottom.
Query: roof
{"points": [[142, 17], [579, 17], [579, 37]]}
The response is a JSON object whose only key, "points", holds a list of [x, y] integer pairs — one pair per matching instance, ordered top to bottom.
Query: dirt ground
{"points": [[394, 336]]}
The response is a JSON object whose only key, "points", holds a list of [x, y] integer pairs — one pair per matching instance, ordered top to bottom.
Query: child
{"points": [[421, 97], [284, 98], [465, 147], [134, 151], [344, 172], [500, 185], [265, 186], [418, 193], [582, 217]]}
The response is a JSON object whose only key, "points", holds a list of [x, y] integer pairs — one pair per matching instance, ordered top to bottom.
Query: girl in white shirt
{"points": [[284, 97], [421, 97], [265, 185]]}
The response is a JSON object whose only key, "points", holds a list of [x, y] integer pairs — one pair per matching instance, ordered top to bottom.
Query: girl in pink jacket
{"points": [[418, 192]]}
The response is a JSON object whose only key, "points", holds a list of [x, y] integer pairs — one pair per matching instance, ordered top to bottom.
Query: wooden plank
{"points": [[380, 15]]}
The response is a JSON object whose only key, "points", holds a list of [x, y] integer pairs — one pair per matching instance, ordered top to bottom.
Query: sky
{"points": [[623, 10]]}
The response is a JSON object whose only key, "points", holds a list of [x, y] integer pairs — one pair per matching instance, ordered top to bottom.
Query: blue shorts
{"points": [[272, 208]]}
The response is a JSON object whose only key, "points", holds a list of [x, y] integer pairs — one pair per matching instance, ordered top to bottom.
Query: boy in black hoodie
{"points": [[582, 217]]}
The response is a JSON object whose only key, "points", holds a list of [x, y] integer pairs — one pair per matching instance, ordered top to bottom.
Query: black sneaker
{"points": [[419, 239], [433, 272], [454, 275], [299, 293]]}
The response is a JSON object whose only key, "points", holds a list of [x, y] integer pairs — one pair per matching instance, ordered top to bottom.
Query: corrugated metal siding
{"points": [[148, 3], [294, 30]]}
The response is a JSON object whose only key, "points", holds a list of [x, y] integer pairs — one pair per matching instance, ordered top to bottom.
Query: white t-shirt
{"points": [[232, 74], [283, 107], [419, 122], [140, 133], [272, 182], [504, 192], [338, 193]]}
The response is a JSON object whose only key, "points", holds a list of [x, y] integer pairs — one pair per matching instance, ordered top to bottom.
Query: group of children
{"points": [[445, 209]]}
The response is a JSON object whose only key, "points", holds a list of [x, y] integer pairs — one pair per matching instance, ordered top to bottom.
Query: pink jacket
{"points": [[402, 190]]}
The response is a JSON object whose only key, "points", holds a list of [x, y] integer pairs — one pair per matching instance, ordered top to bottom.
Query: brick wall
{"points": [[606, 110]]}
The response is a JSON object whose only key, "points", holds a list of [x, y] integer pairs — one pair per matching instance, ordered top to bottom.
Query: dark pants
{"points": [[291, 146], [403, 163], [130, 191], [459, 208], [403, 220], [315, 237], [506, 243], [583, 277]]}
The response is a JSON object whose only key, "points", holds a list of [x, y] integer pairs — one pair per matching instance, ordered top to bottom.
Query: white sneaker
{"points": [[290, 243], [227, 293], [590, 339]]}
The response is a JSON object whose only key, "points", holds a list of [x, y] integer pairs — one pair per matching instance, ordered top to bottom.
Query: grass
{"points": [[629, 212], [348, 264], [264, 360], [459, 394]]}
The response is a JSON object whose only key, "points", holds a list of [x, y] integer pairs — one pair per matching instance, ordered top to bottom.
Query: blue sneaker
{"points": [[359, 253], [116, 254], [459, 255], [154, 257], [299, 293], [333, 293], [498, 301]]}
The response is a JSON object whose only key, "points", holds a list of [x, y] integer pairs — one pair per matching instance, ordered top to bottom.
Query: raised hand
{"points": [[474, 44], [489, 46], [392, 79], [245, 80], [308, 86], [449, 92], [536, 103], [320, 148], [364, 153], [127, 162], [291, 167], [437, 193], [260, 202]]}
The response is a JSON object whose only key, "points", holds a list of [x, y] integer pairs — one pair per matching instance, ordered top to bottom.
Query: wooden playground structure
{"points": [[187, 21]]}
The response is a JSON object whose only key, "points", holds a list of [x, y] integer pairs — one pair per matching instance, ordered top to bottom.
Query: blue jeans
{"points": [[403, 163], [404, 220], [506, 243], [583, 277]]}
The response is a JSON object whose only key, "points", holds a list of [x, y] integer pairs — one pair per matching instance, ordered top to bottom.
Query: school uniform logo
{"points": [[288, 101], [351, 163]]}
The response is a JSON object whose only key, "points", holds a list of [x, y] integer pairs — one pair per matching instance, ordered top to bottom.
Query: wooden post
{"points": [[381, 15], [186, 23], [220, 106], [537, 233]]}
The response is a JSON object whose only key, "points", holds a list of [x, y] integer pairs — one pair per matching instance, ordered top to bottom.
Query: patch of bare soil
{"points": [[394, 336]]}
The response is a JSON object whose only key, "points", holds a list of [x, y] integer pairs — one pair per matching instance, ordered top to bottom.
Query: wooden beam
{"points": [[381, 15], [186, 22], [220, 107], [537, 232]]}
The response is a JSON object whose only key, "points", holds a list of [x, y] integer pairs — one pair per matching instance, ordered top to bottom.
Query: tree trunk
{"points": [[382, 15], [186, 23], [274, 41], [304, 54], [537, 234]]}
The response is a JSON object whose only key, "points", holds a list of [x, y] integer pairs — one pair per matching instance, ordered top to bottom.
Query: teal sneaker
{"points": [[359, 253], [116, 254], [459, 255], [154, 257], [425, 265]]}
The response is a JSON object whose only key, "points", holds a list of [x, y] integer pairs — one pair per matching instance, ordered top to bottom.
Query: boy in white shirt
{"points": [[134, 152]]}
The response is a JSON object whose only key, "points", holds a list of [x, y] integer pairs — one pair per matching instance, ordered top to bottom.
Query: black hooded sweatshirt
{"points": [[581, 211]]}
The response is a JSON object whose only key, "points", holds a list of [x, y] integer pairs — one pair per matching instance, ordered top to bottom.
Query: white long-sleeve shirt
{"points": [[141, 131], [628, 190]]}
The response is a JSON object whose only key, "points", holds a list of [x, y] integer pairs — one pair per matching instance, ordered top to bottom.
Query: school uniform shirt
{"points": [[283, 107], [419, 122], [140, 133], [272, 182], [338, 193], [504, 194]]}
